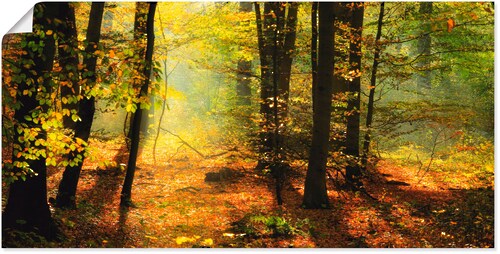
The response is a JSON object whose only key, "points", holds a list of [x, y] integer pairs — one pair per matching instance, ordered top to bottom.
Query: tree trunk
{"points": [[342, 20], [265, 35], [139, 43], [276, 44], [424, 47], [287, 51], [314, 51], [68, 60], [373, 83], [243, 90], [353, 170], [67, 188], [315, 193], [126, 195], [27, 208]]}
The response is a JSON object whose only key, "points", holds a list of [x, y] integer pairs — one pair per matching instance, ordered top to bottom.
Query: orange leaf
{"points": [[451, 25]]}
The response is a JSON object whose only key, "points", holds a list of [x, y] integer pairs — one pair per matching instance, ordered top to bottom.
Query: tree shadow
{"points": [[402, 216]]}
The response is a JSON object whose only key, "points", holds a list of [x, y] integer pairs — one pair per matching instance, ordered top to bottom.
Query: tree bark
{"points": [[140, 28], [265, 35], [277, 35], [424, 47], [314, 51], [68, 60], [373, 84], [353, 170], [315, 192], [126, 194], [66, 195], [27, 208]]}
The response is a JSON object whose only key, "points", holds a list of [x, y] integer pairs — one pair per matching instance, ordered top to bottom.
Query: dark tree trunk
{"points": [[342, 20], [140, 28], [265, 35], [277, 35], [424, 47], [314, 51], [286, 55], [68, 60], [373, 83], [243, 90], [353, 169], [67, 188], [315, 193], [126, 194], [27, 208]]}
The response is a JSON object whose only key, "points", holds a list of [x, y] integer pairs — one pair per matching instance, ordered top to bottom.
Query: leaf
{"points": [[451, 24], [49, 32], [112, 54], [182, 239], [208, 242]]}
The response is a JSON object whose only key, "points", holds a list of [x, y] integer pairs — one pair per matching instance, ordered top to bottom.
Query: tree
{"points": [[143, 20], [276, 35], [424, 46], [314, 50], [68, 61], [373, 83], [243, 89], [86, 109], [353, 171], [315, 193], [27, 207]]}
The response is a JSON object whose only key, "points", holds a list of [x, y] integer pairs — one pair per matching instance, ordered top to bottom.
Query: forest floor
{"points": [[176, 207]]}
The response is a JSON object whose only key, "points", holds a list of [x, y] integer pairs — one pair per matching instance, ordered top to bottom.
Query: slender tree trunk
{"points": [[342, 20], [265, 35], [277, 35], [424, 47], [140, 50], [314, 51], [287, 54], [68, 60], [373, 83], [243, 90], [353, 170], [315, 193], [66, 195], [126, 195], [27, 208]]}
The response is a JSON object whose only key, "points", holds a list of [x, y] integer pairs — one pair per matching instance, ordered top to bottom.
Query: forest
{"points": [[249, 125]]}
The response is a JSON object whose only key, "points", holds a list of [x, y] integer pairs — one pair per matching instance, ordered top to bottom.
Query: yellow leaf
{"points": [[49, 32], [112, 53], [25, 92], [128, 108], [59, 116], [228, 234], [151, 237], [182, 239], [208, 241]]}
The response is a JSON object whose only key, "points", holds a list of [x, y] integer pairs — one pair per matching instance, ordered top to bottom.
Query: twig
{"points": [[184, 142], [435, 143], [176, 152]]}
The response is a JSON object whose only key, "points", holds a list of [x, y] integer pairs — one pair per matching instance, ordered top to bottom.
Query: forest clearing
{"points": [[250, 125]]}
